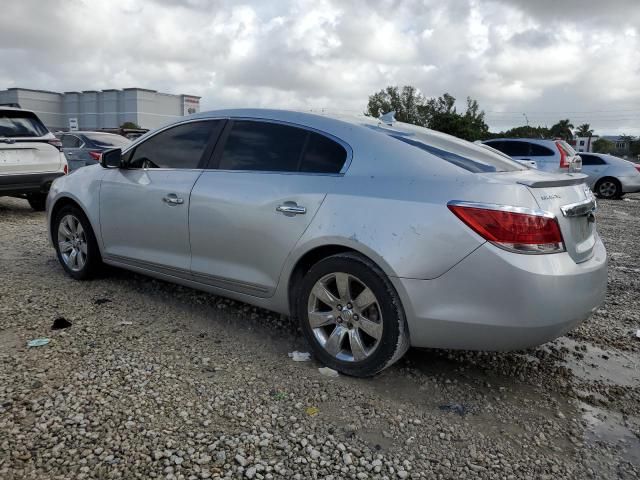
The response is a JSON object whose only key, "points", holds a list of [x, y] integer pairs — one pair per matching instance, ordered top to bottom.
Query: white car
{"points": [[555, 156], [30, 157]]}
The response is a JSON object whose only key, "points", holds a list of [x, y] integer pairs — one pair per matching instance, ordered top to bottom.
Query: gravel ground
{"points": [[154, 380]]}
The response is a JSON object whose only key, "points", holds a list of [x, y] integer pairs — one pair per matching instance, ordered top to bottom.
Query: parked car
{"points": [[84, 148], [555, 156], [30, 157], [526, 163], [609, 176], [374, 236]]}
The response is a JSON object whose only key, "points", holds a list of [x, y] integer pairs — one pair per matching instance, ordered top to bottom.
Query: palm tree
{"points": [[562, 129], [584, 131]]}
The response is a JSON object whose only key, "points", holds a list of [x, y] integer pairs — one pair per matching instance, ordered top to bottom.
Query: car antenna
{"points": [[388, 118]]}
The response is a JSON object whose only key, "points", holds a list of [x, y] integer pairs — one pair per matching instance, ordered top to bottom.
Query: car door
{"points": [[72, 149], [593, 166], [144, 207], [247, 212]]}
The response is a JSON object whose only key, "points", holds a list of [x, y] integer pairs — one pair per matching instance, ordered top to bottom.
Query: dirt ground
{"points": [[154, 380]]}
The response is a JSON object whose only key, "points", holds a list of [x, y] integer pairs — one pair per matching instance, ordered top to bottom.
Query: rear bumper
{"points": [[27, 183], [630, 184], [496, 300]]}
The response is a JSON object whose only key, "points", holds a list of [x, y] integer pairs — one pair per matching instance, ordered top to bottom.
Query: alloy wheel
{"points": [[607, 189], [72, 242], [345, 317]]}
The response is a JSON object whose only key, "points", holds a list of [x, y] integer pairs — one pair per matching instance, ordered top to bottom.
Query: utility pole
{"points": [[525, 117]]}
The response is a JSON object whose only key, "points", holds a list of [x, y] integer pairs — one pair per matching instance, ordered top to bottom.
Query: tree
{"points": [[405, 103], [435, 113], [129, 125], [562, 129], [584, 130], [524, 131], [602, 145]]}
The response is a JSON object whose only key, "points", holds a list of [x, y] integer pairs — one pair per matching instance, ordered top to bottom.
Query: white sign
{"points": [[190, 105], [73, 124]]}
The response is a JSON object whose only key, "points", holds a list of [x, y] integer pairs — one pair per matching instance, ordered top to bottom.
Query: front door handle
{"points": [[173, 199], [291, 208]]}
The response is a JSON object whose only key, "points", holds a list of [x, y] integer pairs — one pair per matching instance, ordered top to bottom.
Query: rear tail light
{"points": [[56, 143], [95, 155], [564, 163], [637, 167], [66, 168], [514, 229]]}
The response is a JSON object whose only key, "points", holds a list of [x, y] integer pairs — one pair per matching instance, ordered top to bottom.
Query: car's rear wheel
{"points": [[608, 188], [37, 201], [75, 243], [351, 315]]}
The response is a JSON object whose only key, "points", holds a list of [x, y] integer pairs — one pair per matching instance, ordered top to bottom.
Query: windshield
{"points": [[20, 124], [107, 140], [476, 162]]}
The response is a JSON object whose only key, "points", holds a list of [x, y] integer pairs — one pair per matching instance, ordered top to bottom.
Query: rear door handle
{"points": [[173, 199], [291, 208]]}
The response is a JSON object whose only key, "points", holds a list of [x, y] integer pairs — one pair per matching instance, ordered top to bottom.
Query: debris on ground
{"points": [[101, 301], [126, 322], [60, 323], [38, 342], [300, 356], [328, 372], [458, 408], [312, 411]]}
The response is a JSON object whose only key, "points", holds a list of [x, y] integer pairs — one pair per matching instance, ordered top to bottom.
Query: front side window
{"points": [[181, 146], [263, 146]]}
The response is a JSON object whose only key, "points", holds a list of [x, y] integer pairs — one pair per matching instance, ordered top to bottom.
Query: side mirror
{"points": [[111, 158]]}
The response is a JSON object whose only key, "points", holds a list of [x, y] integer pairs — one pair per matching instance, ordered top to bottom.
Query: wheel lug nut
{"points": [[349, 305], [339, 307]]}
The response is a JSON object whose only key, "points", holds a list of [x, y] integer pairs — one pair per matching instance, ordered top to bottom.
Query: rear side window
{"points": [[20, 124], [107, 140], [71, 141], [181, 146], [263, 146], [514, 149], [540, 151], [322, 155], [591, 160]]}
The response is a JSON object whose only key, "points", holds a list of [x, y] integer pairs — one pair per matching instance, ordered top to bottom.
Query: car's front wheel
{"points": [[75, 243], [351, 315]]}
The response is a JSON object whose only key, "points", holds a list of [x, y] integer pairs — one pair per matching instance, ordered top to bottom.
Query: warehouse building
{"points": [[93, 110]]}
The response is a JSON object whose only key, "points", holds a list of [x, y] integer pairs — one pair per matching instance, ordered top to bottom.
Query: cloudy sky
{"points": [[548, 59]]}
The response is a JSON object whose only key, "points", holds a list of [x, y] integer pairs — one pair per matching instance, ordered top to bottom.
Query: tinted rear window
{"points": [[20, 124], [106, 140], [514, 149], [540, 151], [322, 155], [591, 160], [483, 162]]}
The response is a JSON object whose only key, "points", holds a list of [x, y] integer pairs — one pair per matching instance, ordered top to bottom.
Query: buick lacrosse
{"points": [[376, 235]]}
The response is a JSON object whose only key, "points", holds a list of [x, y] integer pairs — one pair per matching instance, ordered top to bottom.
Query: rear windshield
{"points": [[20, 124], [107, 140], [478, 163]]}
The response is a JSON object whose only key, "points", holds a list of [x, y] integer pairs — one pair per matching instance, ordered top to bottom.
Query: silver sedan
{"points": [[376, 235]]}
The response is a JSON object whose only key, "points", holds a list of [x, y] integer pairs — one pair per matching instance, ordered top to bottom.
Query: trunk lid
{"points": [[25, 156], [568, 197]]}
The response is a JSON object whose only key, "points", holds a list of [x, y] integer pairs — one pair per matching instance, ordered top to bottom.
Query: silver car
{"points": [[609, 176], [375, 235]]}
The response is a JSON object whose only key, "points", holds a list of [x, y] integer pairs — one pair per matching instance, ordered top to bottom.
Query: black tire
{"points": [[608, 188], [37, 201], [93, 262], [394, 340]]}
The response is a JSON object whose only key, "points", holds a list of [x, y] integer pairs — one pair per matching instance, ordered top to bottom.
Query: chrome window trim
{"points": [[503, 208]]}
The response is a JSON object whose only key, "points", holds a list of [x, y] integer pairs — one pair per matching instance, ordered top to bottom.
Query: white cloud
{"points": [[548, 59]]}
